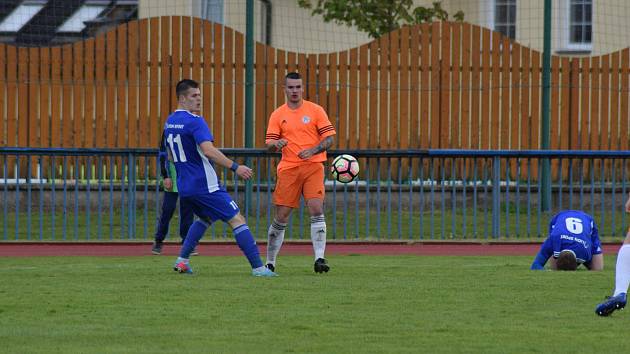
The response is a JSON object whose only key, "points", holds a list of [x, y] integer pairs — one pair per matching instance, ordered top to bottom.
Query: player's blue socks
{"points": [[195, 233], [247, 244]]}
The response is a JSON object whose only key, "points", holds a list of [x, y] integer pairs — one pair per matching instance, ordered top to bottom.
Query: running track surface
{"points": [[28, 249]]}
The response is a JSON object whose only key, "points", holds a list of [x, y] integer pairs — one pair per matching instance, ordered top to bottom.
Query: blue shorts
{"points": [[215, 206]]}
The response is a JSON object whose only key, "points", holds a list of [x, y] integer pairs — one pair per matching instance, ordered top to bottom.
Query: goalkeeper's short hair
{"points": [[566, 260]]}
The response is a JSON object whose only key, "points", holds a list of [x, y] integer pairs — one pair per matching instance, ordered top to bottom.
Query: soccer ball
{"points": [[345, 168]]}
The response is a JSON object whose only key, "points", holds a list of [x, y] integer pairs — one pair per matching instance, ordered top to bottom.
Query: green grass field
{"points": [[366, 304]]}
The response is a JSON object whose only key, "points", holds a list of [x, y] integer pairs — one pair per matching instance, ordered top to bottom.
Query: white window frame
{"points": [[493, 17], [564, 27]]}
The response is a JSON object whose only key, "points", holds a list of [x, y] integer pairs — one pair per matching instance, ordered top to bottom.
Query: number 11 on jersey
{"points": [[180, 156]]}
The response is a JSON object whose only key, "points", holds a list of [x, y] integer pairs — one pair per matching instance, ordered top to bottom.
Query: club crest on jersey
{"points": [[306, 119]]}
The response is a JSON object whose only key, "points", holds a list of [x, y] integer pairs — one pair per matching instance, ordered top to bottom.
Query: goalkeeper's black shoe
{"points": [[321, 266], [271, 267], [611, 304]]}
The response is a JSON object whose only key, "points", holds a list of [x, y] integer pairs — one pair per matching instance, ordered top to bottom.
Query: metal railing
{"points": [[113, 194]]}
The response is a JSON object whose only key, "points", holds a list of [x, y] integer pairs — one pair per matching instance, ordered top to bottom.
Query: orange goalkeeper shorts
{"points": [[305, 179]]}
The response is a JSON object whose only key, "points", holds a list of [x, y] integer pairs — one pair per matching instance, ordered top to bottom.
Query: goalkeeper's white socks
{"points": [[318, 235], [275, 237], [622, 271]]}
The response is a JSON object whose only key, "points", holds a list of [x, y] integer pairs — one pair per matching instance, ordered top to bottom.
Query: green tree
{"points": [[377, 17]]}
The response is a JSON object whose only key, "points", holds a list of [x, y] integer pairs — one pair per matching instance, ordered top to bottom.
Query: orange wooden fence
{"points": [[440, 85]]}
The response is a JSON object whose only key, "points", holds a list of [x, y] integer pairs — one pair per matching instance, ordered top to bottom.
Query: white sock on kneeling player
{"points": [[318, 235], [275, 237], [622, 271]]}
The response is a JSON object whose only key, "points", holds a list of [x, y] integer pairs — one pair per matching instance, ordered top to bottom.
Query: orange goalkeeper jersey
{"points": [[303, 128]]}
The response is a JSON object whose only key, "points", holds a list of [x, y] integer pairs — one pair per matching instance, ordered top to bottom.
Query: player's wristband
{"points": [[234, 166]]}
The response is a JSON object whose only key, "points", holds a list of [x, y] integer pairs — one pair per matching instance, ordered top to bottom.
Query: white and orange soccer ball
{"points": [[345, 168]]}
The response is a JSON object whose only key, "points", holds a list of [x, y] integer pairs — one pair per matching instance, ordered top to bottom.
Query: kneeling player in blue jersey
{"points": [[190, 147], [573, 240], [622, 278]]}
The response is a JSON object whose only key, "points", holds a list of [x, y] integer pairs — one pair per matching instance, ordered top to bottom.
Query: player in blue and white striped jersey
{"points": [[190, 147], [573, 240]]}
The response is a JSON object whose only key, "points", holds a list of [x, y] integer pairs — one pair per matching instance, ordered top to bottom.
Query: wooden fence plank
{"points": [[197, 42], [175, 55], [186, 56], [292, 62], [281, 72], [311, 77], [322, 81], [217, 82], [89, 83], [166, 83], [384, 83], [142, 84], [269, 84], [206, 86], [445, 86], [465, 86], [259, 87], [332, 88], [374, 88], [456, 88], [414, 89], [425, 89], [476, 89], [3, 90], [404, 90], [239, 91], [486, 91], [564, 91], [595, 91], [100, 94], [44, 96], [78, 96], [585, 100], [110, 102], [515, 102], [614, 102], [623, 107], [574, 109], [66, 110], [22, 111], [122, 113], [604, 114], [393, 116], [495, 116], [358, 117], [435, 118], [525, 118], [504, 119], [565, 119], [535, 120], [554, 122], [525, 124], [34, 125], [344, 125], [133, 139], [227, 139]]}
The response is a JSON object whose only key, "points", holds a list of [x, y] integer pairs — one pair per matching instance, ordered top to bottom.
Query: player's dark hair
{"points": [[293, 76], [184, 85], [566, 261]]}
